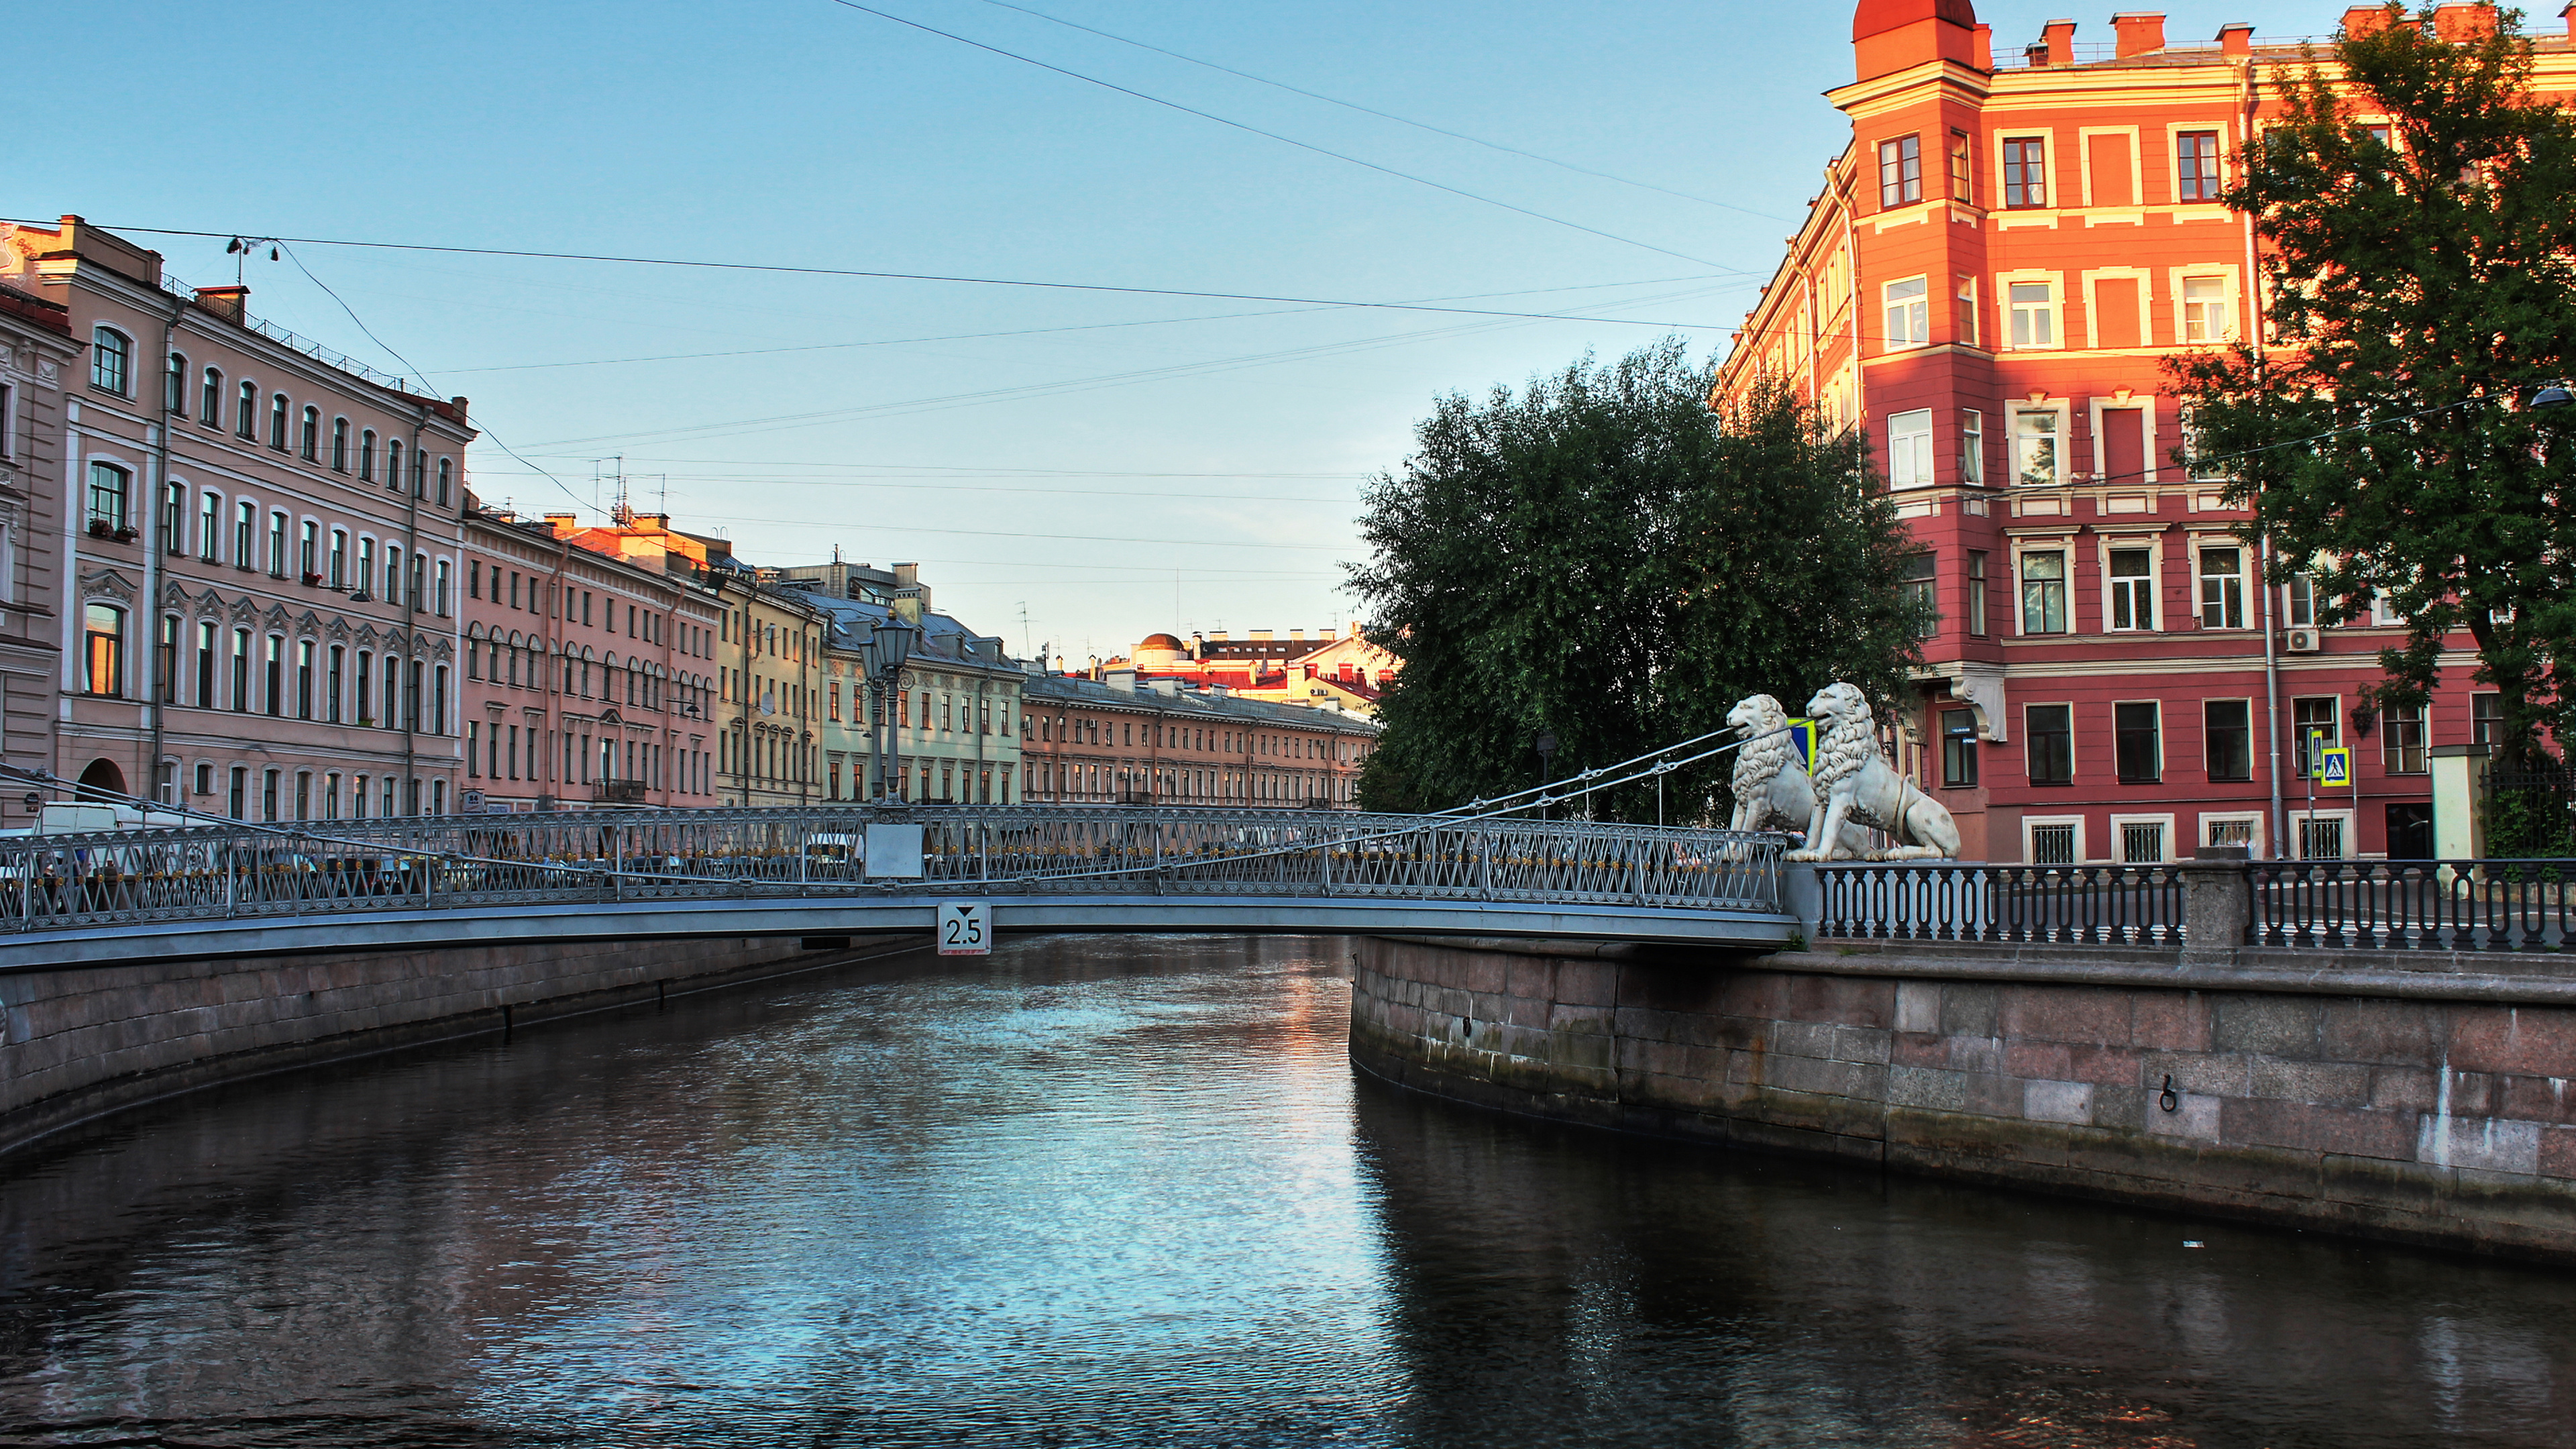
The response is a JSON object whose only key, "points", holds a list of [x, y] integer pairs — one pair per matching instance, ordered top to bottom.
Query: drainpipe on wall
{"points": [[2262, 541], [154, 546], [404, 604]]}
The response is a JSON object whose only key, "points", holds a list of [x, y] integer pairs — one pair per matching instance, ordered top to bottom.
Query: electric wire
{"points": [[1385, 115], [1272, 135]]}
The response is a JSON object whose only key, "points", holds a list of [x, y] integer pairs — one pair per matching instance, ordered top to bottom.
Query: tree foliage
{"points": [[2419, 291], [1603, 558]]}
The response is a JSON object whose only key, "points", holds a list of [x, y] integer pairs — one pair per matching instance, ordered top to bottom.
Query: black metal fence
{"points": [[2118, 905], [2414, 905]]}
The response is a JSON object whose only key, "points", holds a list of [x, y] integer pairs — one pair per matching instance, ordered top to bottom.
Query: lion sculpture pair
{"points": [[1853, 788]]}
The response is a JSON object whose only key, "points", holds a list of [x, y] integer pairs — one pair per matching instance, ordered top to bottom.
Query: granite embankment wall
{"points": [[79, 1042], [2425, 1099]]}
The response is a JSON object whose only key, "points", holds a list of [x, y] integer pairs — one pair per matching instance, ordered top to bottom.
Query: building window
{"points": [[2196, 166], [1900, 171], [2025, 172], [1963, 187], [1909, 313], [1967, 313], [2034, 313], [2206, 317], [111, 360], [174, 387], [210, 400], [277, 409], [246, 412], [309, 441], [1972, 446], [1909, 450], [339, 456], [367, 456], [393, 464], [444, 464], [2199, 466], [419, 474], [107, 488], [174, 518], [210, 528], [245, 535], [277, 544], [308, 552], [339, 558], [446, 582], [1921, 584], [2133, 588], [2222, 588], [1977, 592], [2043, 592], [2299, 600], [103, 650], [241, 671], [274, 675], [304, 679], [332, 682], [2486, 719], [2314, 721], [2049, 730], [2227, 739], [2401, 739], [2138, 741], [1958, 749], [240, 778], [2142, 842], [2053, 844]]}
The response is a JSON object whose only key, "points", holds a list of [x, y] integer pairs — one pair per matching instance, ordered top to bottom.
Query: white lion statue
{"points": [[1857, 787], [1772, 790]]}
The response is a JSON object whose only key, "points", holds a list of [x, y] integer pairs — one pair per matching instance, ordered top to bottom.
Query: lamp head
{"points": [[2555, 395]]}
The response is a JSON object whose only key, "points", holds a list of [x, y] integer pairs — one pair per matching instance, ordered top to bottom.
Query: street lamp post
{"points": [[889, 644], [1545, 744]]}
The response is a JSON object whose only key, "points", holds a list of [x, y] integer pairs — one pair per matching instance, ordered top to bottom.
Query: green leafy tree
{"points": [[2419, 292], [1604, 558]]}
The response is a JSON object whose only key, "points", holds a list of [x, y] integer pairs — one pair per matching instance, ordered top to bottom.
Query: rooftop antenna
{"points": [[240, 248], [1024, 626]]}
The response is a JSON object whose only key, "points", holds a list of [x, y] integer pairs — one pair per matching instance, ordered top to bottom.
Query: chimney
{"points": [[2568, 14], [2363, 20], [2460, 23], [2140, 32], [2059, 37], [2237, 39], [1982, 49], [110, 250], [225, 302], [563, 523], [906, 575], [1261, 636]]}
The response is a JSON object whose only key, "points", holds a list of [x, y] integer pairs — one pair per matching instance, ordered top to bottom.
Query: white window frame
{"points": [[2174, 130], [2049, 183], [2231, 291], [2054, 309], [1909, 317], [1968, 321], [2064, 434], [1972, 446], [1909, 449], [2192, 469], [2201, 545], [2064, 549], [2154, 586], [2253, 818], [2298, 818], [2163, 822], [2030, 824]]}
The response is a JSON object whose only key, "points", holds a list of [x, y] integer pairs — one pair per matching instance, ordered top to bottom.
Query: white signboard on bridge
{"points": [[894, 852], [965, 928]]}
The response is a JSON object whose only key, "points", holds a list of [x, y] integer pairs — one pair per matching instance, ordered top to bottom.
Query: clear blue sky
{"points": [[1151, 462]]}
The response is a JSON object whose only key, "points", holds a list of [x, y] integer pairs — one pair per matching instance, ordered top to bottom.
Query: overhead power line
{"points": [[1385, 115], [1271, 135], [324, 241]]}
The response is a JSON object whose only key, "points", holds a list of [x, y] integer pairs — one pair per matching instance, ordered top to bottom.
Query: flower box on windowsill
{"points": [[312, 580]]}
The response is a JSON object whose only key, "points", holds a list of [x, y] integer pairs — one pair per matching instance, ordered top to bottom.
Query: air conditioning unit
{"points": [[2299, 641]]}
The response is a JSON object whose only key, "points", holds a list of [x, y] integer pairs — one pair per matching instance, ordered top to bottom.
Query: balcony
{"points": [[618, 792]]}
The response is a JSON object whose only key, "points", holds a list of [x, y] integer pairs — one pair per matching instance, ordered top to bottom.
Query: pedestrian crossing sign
{"points": [[1802, 735], [2334, 765]]}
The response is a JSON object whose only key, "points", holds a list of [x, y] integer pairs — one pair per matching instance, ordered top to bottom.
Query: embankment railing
{"points": [[2135, 905], [2415, 905]]}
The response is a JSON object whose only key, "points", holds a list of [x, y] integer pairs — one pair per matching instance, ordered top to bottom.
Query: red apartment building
{"points": [[1989, 283]]}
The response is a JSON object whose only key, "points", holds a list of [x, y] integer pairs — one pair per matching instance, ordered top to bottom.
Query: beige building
{"points": [[258, 604], [771, 672]]}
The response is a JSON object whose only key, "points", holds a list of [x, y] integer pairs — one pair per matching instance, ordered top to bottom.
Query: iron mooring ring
{"points": [[2166, 1098]]}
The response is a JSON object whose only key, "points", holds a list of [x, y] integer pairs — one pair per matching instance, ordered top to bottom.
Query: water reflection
{"points": [[1120, 1192]]}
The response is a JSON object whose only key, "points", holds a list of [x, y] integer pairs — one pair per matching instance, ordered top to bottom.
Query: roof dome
{"points": [[1877, 17], [1159, 641]]}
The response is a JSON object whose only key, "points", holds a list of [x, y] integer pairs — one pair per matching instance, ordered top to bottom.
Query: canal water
{"points": [[1123, 1191]]}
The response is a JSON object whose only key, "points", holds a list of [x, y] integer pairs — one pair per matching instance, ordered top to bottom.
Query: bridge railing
{"points": [[218, 871], [2134, 905]]}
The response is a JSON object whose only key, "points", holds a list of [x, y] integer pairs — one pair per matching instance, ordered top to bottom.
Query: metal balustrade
{"points": [[228, 871], [2122, 905], [2415, 905]]}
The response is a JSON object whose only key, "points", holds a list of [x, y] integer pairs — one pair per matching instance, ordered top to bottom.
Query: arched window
{"points": [[111, 359], [175, 398], [210, 402], [277, 409], [246, 412], [312, 437], [339, 445], [367, 455], [393, 464], [444, 465], [419, 474], [107, 494], [339, 558], [103, 640]]}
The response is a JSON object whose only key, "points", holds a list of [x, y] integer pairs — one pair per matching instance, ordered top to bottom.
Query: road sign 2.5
{"points": [[965, 928]]}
